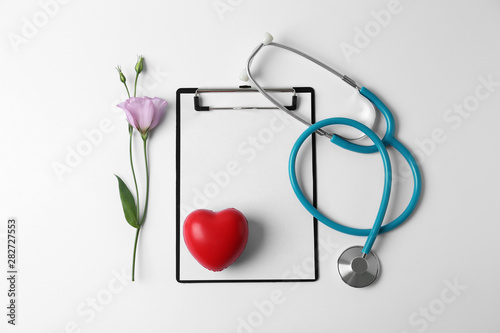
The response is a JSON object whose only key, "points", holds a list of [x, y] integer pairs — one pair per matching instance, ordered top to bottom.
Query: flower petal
{"points": [[123, 104], [160, 105], [144, 114], [130, 118]]}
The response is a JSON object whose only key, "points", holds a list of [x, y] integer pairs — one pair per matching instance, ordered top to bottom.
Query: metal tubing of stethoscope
{"points": [[308, 57], [345, 78], [272, 99]]}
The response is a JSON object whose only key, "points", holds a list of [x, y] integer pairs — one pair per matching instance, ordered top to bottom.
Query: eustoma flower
{"points": [[143, 114]]}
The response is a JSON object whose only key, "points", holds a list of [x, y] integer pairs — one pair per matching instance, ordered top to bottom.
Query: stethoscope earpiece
{"points": [[268, 38], [243, 75]]}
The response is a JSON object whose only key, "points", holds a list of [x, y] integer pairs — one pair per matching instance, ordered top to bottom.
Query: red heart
{"points": [[216, 240]]}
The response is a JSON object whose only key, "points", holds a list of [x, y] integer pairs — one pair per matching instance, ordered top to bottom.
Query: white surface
{"points": [[236, 159], [73, 238]]}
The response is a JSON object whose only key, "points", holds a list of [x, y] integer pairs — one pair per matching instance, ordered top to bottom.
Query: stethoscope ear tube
{"points": [[389, 122], [388, 140], [378, 145], [371, 233]]}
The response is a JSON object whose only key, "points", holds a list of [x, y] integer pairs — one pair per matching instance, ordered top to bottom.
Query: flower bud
{"points": [[140, 64], [122, 77]]}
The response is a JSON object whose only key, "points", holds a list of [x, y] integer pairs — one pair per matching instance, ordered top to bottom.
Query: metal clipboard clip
{"points": [[199, 107]]}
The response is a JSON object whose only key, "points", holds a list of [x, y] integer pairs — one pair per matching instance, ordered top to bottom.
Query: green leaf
{"points": [[128, 203]]}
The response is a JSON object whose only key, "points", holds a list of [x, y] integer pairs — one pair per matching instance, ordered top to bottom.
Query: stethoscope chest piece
{"points": [[357, 270]]}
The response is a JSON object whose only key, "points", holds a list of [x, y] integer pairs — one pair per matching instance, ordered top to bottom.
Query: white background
{"points": [[59, 81]]}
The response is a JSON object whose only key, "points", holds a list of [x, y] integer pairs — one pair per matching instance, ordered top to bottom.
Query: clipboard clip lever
{"points": [[199, 107]]}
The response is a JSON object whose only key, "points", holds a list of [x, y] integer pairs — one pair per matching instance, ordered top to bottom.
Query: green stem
{"points": [[135, 84], [128, 92], [133, 171], [147, 182], [145, 208], [135, 251]]}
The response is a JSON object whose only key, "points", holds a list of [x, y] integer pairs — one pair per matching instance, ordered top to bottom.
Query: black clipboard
{"points": [[192, 112]]}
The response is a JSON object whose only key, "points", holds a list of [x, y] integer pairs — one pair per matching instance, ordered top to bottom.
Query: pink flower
{"points": [[144, 113]]}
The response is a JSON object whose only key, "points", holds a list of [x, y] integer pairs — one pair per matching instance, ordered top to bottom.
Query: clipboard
{"points": [[231, 156]]}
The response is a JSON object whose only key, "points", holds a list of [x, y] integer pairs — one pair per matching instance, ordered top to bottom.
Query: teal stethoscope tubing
{"points": [[378, 145]]}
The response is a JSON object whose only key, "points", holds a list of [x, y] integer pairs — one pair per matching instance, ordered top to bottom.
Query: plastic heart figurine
{"points": [[216, 240]]}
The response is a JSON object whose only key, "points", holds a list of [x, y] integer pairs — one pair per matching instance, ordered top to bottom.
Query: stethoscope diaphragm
{"points": [[357, 269]]}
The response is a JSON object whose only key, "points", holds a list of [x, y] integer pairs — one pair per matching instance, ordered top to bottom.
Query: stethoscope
{"points": [[358, 266]]}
